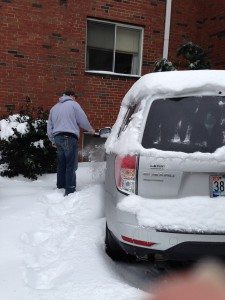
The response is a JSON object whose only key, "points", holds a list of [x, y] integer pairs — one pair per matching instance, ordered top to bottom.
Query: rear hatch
{"points": [[186, 130]]}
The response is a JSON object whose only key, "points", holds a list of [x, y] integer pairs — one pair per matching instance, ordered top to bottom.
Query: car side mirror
{"points": [[104, 132]]}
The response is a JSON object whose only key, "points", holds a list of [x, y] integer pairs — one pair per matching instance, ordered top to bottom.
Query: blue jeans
{"points": [[67, 157]]}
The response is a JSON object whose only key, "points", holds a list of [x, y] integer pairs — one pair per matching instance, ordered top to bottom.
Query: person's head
{"points": [[70, 93]]}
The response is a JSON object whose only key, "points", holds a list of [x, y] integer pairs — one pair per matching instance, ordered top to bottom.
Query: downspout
{"points": [[167, 29]]}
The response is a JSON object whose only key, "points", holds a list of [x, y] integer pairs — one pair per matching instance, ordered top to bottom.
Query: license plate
{"points": [[217, 186]]}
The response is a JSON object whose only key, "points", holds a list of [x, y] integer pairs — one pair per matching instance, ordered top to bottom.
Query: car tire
{"points": [[114, 250]]}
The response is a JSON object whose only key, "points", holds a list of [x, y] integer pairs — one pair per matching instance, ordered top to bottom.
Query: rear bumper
{"points": [[170, 245], [184, 251]]}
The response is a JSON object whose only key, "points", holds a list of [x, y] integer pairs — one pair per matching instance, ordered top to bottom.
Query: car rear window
{"points": [[131, 110], [186, 124]]}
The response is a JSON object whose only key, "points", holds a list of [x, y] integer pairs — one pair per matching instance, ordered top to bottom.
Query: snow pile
{"points": [[159, 86], [7, 126], [190, 214], [52, 246]]}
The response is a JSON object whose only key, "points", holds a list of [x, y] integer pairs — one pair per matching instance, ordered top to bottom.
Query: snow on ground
{"points": [[52, 247]]}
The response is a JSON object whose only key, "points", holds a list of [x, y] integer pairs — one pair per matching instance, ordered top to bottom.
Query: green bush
{"points": [[195, 56], [163, 65], [25, 148]]}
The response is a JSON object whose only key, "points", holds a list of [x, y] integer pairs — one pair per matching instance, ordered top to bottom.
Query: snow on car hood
{"points": [[158, 86], [189, 214]]}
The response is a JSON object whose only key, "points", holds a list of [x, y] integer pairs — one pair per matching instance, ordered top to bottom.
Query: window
{"points": [[113, 47], [128, 117], [187, 124]]}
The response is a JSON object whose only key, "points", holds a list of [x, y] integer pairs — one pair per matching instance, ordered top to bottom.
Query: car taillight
{"points": [[125, 173]]}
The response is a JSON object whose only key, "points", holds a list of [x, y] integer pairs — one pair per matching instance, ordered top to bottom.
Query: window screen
{"points": [[186, 124]]}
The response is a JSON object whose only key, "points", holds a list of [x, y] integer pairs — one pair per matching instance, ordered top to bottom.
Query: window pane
{"points": [[100, 35], [128, 40], [99, 60], [127, 60], [123, 63], [135, 64], [128, 117], [186, 124]]}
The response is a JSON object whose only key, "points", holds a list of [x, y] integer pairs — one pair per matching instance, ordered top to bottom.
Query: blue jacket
{"points": [[67, 116]]}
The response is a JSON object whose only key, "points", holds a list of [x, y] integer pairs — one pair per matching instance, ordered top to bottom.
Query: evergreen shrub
{"points": [[195, 56], [163, 65], [27, 150]]}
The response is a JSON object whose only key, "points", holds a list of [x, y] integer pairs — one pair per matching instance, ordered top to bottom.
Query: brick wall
{"points": [[203, 23], [185, 27], [214, 36], [42, 49], [43, 52]]}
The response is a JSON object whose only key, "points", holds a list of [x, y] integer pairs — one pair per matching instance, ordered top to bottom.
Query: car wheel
{"points": [[113, 249]]}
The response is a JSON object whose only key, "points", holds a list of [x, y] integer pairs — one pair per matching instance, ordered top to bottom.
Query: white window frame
{"points": [[141, 29]]}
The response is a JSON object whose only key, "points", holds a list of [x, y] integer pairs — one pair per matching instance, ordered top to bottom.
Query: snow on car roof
{"points": [[175, 84], [157, 86]]}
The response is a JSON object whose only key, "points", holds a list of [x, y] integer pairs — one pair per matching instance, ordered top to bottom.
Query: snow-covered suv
{"points": [[165, 171]]}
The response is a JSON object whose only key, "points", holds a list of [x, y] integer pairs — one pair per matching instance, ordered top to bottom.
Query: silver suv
{"points": [[165, 170]]}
